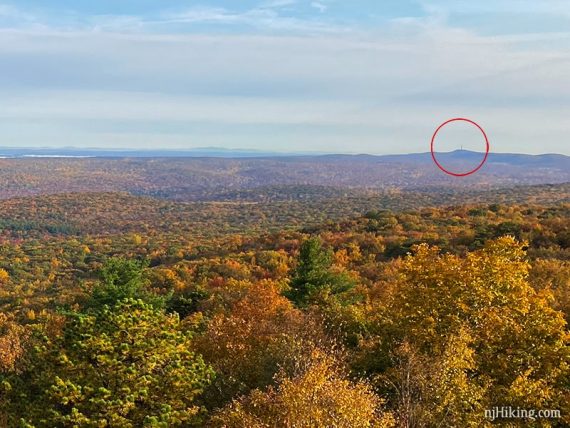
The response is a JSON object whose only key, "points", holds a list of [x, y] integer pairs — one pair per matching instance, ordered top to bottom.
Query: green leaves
{"points": [[314, 276], [122, 279], [130, 365]]}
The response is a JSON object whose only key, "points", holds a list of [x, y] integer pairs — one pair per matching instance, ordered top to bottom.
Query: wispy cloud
{"points": [[277, 4], [321, 7], [7, 11], [276, 15], [267, 16], [13, 17], [269, 76]]}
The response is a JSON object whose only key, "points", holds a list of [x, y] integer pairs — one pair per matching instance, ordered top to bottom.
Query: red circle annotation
{"points": [[455, 174]]}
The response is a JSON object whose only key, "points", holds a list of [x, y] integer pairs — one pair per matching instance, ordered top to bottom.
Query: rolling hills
{"points": [[214, 178]]}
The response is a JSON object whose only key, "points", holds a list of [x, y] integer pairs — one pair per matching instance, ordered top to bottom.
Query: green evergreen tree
{"points": [[313, 276], [121, 279], [126, 366]]}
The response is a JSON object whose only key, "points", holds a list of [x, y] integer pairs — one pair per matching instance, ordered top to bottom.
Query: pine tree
{"points": [[313, 276], [121, 279], [131, 365]]}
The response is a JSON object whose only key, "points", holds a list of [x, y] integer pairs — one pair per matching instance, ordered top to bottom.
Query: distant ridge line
{"points": [[207, 152]]}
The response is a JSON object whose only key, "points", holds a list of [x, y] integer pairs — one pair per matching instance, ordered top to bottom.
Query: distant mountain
{"points": [[515, 159], [540, 161]]}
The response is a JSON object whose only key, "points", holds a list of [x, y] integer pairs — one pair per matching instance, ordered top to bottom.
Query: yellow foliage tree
{"points": [[4, 276], [13, 338], [517, 340], [318, 394]]}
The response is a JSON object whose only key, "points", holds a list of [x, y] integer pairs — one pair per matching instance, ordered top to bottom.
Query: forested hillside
{"points": [[207, 179], [270, 309]]}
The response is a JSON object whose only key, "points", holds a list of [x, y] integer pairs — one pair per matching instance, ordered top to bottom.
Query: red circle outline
{"points": [[465, 174]]}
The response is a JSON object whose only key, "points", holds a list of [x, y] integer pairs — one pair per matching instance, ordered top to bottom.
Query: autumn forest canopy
{"points": [[157, 293]]}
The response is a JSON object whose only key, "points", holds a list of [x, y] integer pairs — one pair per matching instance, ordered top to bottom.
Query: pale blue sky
{"points": [[286, 75]]}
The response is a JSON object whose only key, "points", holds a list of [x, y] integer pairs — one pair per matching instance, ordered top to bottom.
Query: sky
{"points": [[340, 76]]}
